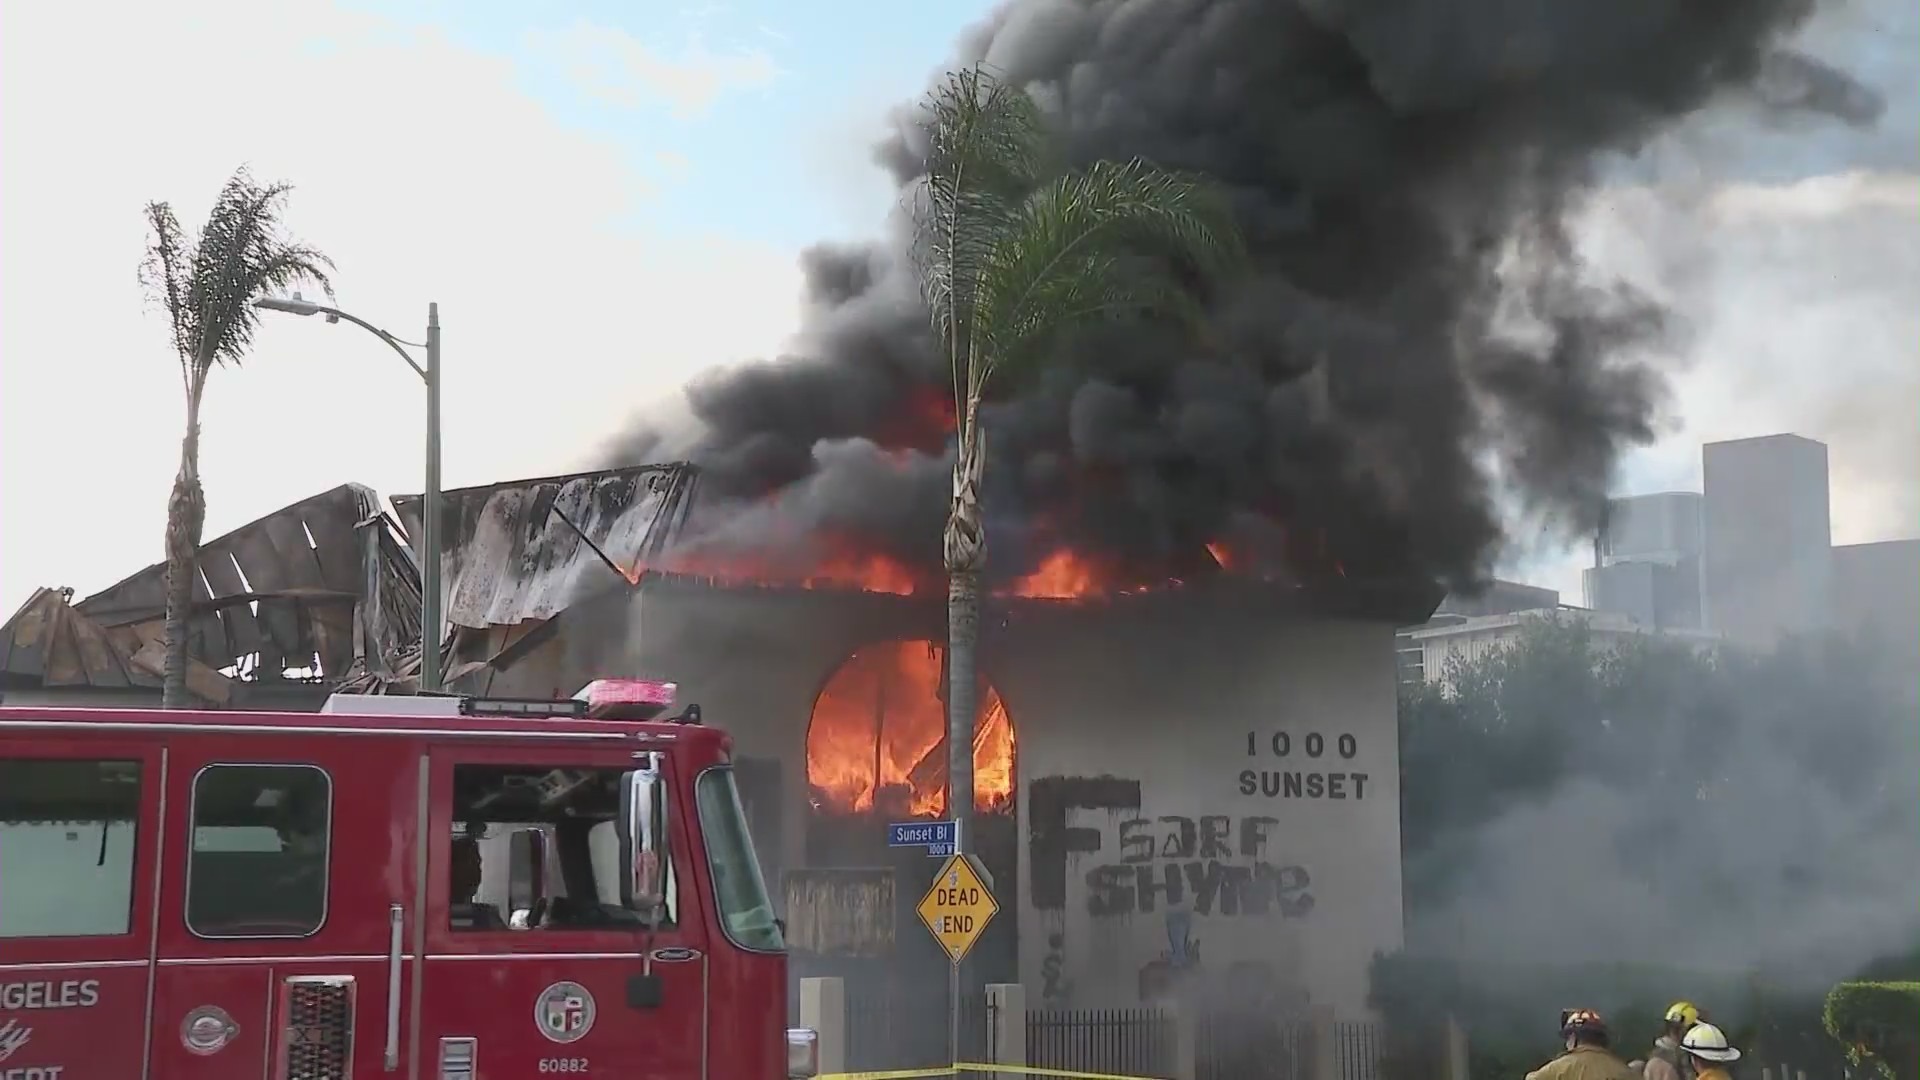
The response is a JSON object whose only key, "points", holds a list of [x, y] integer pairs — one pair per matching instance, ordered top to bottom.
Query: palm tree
{"points": [[1011, 255], [207, 285]]}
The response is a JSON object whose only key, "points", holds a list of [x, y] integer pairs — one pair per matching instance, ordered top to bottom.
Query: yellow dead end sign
{"points": [[958, 906]]}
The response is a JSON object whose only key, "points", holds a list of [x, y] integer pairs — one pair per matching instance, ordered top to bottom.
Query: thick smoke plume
{"points": [[1417, 348]]}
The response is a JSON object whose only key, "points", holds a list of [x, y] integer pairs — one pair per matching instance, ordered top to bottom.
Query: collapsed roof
{"points": [[518, 554], [318, 591]]}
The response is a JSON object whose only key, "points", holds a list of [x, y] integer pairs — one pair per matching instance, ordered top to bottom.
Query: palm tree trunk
{"points": [[186, 513], [966, 552]]}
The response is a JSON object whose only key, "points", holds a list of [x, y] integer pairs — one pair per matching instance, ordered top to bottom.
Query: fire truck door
{"points": [[78, 854], [285, 920], [533, 966]]}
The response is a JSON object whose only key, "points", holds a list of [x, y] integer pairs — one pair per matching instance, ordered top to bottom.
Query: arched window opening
{"points": [[877, 740]]}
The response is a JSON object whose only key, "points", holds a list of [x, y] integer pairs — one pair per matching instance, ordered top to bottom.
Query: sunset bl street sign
{"points": [[937, 837]]}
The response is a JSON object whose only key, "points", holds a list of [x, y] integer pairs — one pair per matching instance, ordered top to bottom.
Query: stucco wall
{"points": [[1147, 753], [1288, 864]]}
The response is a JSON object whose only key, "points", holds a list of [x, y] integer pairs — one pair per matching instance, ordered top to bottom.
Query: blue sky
{"points": [[792, 84], [604, 199], [608, 199]]}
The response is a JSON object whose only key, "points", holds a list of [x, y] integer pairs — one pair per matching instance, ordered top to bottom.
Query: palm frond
{"points": [[984, 149], [1093, 244], [242, 252], [166, 275], [207, 285]]}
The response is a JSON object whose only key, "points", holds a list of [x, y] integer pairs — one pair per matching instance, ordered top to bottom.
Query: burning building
{"points": [[1202, 542], [1177, 789]]}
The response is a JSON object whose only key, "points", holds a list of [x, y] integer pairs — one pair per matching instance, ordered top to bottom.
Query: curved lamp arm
{"points": [[297, 306]]}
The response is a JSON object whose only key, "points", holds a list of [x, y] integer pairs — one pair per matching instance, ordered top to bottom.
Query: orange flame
{"points": [[834, 563], [873, 573], [1062, 575], [877, 739]]}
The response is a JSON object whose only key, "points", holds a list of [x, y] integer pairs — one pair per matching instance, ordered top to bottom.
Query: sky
{"points": [[606, 198]]}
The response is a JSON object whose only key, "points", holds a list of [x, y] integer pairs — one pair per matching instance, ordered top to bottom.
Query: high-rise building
{"points": [[1769, 562], [1647, 563], [1876, 595]]}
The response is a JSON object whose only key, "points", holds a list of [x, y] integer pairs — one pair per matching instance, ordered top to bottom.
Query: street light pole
{"points": [[430, 516], [429, 544]]}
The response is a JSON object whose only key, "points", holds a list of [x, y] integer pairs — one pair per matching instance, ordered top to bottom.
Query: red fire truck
{"points": [[435, 888]]}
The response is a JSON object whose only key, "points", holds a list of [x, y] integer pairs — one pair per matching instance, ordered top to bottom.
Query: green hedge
{"points": [[1878, 1022]]}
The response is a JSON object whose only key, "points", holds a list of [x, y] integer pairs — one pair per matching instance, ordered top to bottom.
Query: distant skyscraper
{"points": [[1648, 561], [1769, 563], [1876, 594]]}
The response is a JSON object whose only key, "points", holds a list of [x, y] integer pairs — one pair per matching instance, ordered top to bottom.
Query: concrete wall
{"points": [[1149, 788], [1210, 805]]}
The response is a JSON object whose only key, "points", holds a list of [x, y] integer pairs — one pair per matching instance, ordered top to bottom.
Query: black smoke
{"points": [[1417, 354]]}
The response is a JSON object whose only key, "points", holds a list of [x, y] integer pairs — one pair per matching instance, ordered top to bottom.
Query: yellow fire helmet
{"points": [[1684, 1013]]}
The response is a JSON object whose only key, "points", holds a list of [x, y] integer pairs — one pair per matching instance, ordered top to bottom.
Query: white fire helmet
{"points": [[1709, 1042]]}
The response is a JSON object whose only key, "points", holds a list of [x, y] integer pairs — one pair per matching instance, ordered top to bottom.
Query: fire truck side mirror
{"points": [[642, 830], [527, 877]]}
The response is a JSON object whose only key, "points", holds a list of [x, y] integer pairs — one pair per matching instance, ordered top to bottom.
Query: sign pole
{"points": [[956, 910], [953, 969], [953, 1028]]}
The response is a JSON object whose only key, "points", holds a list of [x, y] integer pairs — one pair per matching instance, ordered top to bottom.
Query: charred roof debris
{"points": [[321, 591]]}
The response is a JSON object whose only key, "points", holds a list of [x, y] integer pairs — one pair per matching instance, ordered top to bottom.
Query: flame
{"points": [[839, 562], [836, 569], [1062, 575], [877, 739]]}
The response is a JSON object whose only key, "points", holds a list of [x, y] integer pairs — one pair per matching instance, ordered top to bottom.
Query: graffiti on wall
{"points": [[1051, 842], [1212, 865], [1179, 971], [1162, 976], [1055, 987]]}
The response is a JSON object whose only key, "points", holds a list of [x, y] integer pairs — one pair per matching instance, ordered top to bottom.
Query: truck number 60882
{"points": [[563, 1065]]}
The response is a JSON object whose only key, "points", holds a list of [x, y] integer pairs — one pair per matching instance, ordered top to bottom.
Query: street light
{"points": [[430, 510]]}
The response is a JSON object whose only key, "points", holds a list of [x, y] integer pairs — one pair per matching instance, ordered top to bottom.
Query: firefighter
{"points": [[465, 909], [1706, 1047], [1588, 1056], [1665, 1061]]}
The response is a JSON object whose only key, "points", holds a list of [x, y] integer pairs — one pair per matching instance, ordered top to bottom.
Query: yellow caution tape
{"points": [[978, 1067], [1030, 1070]]}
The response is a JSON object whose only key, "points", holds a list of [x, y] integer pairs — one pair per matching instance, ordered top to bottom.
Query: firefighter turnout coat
{"points": [[1584, 1063]]}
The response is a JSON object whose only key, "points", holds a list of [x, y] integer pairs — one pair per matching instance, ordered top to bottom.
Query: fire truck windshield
{"points": [[574, 808], [745, 911]]}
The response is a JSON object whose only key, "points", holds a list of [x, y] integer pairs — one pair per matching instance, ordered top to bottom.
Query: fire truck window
{"points": [[575, 808], [66, 846], [259, 862], [746, 913]]}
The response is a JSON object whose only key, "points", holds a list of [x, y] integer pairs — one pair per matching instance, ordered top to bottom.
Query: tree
{"points": [[1012, 255], [207, 285], [1624, 741], [1626, 823]]}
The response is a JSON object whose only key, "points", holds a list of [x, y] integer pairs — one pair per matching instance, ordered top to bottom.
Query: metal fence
{"points": [[892, 1027], [1135, 1042], [1252, 1045], [1356, 1049]]}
